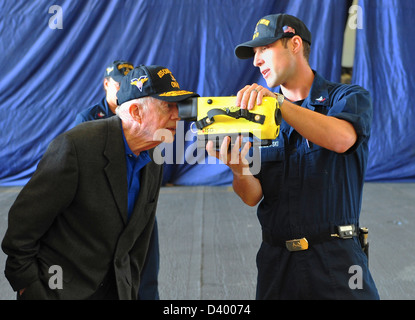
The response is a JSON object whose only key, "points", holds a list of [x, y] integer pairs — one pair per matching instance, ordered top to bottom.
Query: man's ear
{"points": [[296, 42], [105, 84], [136, 112]]}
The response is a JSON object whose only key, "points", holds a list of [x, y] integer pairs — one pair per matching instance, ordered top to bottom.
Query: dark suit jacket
{"points": [[73, 214]]}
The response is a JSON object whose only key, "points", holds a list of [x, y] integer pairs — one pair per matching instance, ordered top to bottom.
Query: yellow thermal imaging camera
{"points": [[217, 117]]}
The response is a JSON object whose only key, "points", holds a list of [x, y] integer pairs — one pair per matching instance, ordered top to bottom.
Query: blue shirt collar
{"points": [[319, 94], [107, 108]]}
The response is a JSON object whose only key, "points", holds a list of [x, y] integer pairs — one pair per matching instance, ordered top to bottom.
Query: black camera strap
{"points": [[240, 113]]}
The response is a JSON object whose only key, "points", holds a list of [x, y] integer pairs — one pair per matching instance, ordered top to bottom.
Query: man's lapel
{"points": [[116, 169], [146, 197]]}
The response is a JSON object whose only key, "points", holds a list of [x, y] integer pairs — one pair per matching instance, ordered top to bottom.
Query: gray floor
{"points": [[209, 240]]}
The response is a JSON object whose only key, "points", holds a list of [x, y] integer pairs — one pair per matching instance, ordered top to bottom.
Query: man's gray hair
{"points": [[123, 111]]}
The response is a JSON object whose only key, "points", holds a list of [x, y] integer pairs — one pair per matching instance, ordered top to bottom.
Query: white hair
{"points": [[123, 111]]}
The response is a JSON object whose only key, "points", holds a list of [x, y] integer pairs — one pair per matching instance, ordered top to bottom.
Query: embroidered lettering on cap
{"points": [[262, 21], [126, 66], [163, 72]]}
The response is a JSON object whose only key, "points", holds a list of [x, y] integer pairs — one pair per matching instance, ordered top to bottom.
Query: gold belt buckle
{"points": [[297, 244]]}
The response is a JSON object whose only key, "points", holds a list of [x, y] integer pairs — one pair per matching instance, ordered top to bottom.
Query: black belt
{"points": [[300, 244]]}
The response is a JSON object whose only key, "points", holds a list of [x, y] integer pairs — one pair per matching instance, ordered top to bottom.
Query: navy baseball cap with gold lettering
{"points": [[270, 29], [118, 69], [151, 81]]}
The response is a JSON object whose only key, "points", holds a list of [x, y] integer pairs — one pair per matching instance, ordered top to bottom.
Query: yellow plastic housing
{"points": [[225, 125]]}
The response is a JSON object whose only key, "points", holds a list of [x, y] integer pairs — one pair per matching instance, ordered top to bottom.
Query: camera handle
{"points": [[240, 113]]}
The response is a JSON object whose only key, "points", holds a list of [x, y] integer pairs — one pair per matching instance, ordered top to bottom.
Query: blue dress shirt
{"points": [[134, 165]]}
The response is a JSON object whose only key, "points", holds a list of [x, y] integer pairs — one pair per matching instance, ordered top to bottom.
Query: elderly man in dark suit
{"points": [[87, 213]]}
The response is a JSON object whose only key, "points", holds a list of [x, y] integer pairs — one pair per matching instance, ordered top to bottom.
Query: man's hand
{"points": [[250, 95], [326, 131], [233, 158], [246, 186]]}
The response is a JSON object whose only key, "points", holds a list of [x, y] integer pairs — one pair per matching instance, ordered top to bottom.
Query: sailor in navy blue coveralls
{"points": [[100, 110], [310, 182], [302, 183], [149, 277]]}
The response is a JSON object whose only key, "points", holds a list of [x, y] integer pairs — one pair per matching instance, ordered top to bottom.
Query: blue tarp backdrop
{"points": [[384, 64], [50, 72]]}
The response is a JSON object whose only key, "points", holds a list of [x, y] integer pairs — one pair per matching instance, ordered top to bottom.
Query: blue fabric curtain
{"points": [[384, 64], [51, 74]]}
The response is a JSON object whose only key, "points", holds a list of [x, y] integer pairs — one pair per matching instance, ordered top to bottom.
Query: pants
{"points": [[335, 269], [149, 276]]}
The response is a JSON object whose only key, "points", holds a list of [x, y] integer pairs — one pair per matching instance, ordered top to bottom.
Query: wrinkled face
{"points": [[276, 63], [159, 120]]}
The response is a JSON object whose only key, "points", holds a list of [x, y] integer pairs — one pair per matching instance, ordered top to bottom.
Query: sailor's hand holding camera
{"points": [[251, 94], [233, 157], [244, 183], [246, 186]]}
